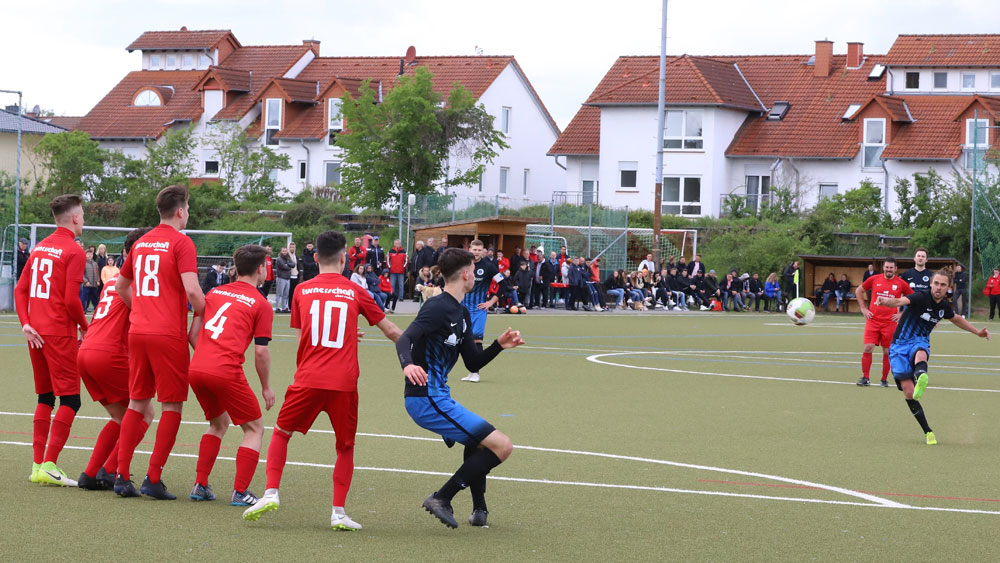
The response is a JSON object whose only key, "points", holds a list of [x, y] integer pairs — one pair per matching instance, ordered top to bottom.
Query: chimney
{"points": [[313, 44], [855, 54], [824, 58], [401, 63]]}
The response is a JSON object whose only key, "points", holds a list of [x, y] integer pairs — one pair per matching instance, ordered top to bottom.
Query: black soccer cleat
{"points": [[864, 382], [884, 383], [107, 479], [88, 483], [125, 488], [156, 490], [441, 509], [478, 517]]}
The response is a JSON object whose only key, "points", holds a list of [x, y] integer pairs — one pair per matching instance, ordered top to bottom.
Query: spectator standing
{"points": [[440, 249], [356, 254], [22, 255], [101, 257], [563, 257], [515, 259], [503, 264], [283, 265], [648, 265], [682, 266], [696, 266], [310, 269], [109, 270], [397, 270], [868, 273], [293, 275], [214, 277], [791, 278], [523, 280], [265, 288], [540, 288], [90, 290], [992, 290], [960, 297]]}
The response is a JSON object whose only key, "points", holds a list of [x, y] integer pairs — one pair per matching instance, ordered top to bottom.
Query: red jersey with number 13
{"points": [[52, 265], [155, 265], [879, 285], [326, 308], [235, 314], [109, 325]]}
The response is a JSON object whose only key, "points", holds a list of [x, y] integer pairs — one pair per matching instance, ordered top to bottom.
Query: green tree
{"points": [[403, 144], [170, 160], [73, 163], [244, 170]]}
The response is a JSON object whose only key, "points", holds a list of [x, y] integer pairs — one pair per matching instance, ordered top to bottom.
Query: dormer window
{"points": [[154, 61], [171, 61], [187, 61], [204, 61], [912, 80], [940, 80], [968, 81], [995, 81], [147, 98], [335, 119], [272, 120], [977, 140], [874, 142]]}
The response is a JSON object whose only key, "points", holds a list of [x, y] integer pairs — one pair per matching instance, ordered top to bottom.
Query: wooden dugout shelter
{"points": [[502, 232], [815, 269]]}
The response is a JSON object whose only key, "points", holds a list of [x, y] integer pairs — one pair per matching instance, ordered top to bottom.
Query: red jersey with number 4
{"points": [[53, 264], [155, 265], [879, 285], [326, 308], [235, 314], [109, 325]]}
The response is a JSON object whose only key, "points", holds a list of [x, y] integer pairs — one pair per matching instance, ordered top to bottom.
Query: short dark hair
{"points": [[170, 199], [61, 204], [133, 236], [477, 242], [328, 245], [920, 249], [248, 258], [452, 260], [889, 260], [946, 272]]}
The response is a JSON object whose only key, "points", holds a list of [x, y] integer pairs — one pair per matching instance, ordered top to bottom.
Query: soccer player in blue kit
{"points": [[479, 299], [911, 344], [428, 350]]}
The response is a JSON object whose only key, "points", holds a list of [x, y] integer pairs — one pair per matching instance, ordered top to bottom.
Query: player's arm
{"points": [[503, 288], [124, 289], [21, 293], [194, 293], [862, 296], [892, 301], [963, 323], [390, 330], [194, 331], [475, 360], [262, 361]]}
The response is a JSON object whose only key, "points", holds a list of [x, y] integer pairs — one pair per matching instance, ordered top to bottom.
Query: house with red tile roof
{"points": [[288, 97], [819, 123]]}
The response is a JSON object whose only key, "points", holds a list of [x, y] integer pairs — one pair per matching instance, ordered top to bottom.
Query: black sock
{"points": [[919, 368], [918, 413], [477, 465], [478, 486]]}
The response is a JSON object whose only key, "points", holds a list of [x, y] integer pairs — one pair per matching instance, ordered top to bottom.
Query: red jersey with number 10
{"points": [[53, 264], [155, 265], [879, 285], [326, 308], [235, 314], [109, 325]]}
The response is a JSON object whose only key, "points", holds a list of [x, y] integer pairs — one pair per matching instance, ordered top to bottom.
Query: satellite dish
{"points": [[411, 54], [36, 110]]}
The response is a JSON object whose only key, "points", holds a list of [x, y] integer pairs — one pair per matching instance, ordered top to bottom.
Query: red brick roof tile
{"points": [[182, 39], [945, 50], [263, 62], [232, 79], [294, 90], [895, 107], [114, 117], [65, 121], [583, 134]]}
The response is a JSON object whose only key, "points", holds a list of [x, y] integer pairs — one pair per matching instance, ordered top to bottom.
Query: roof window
{"points": [[877, 72], [851, 110], [778, 111]]}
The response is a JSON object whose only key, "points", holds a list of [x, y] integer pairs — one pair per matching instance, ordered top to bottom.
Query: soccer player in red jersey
{"points": [[158, 281], [47, 298], [237, 315], [325, 315], [880, 321], [103, 366]]}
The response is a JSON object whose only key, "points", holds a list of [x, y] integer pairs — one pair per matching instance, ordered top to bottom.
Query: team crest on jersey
{"points": [[479, 272], [926, 278], [894, 287], [941, 313], [452, 340]]}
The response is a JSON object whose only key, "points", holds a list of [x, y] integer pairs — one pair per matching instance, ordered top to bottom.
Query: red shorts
{"points": [[879, 333], [158, 365], [54, 366], [105, 374], [220, 393], [303, 404]]}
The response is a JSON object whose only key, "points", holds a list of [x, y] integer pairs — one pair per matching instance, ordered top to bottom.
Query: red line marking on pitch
{"points": [[866, 492]]}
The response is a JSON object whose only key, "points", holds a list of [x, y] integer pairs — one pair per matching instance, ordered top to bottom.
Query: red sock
{"points": [[866, 363], [885, 366], [133, 429], [40, 432], [59, 433], [166, 435], [106, 442], [207, 452], [277, 453], [111, 464], [246, 466], [343, 471]]}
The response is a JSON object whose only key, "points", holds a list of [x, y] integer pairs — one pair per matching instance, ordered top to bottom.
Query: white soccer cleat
{"points": [[472, 378], [264, 504], [339, 520]]}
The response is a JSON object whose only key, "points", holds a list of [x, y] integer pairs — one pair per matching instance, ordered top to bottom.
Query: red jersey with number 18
{"points": [[155, 265], [879, 285], [326, 309], [235, 314], [109, 326]]}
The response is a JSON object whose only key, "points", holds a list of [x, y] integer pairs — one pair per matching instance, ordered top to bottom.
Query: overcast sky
{"points": [[65, 55]]}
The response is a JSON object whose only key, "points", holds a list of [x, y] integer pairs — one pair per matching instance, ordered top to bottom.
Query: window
{"points": [[154, 61], [171, 61], [187, 61], [205, 61], [877, 71], [913, 80], [940, 80], [995, 80], [968, 81], [147, 98], [851, 110], [778, 111], [335, 115], [272, 119], [505, 121], [683, 130], [977, 133], [874, 142], [212, 167], [302, 171], [504, 172], [332, 173], [526, 174], [627, 174], [273, 175], [589, 189], [758, 191], [827, 191], [682, 196]]}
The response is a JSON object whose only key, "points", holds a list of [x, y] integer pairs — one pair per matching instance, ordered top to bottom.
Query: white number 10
{"points": [[321, 330]]}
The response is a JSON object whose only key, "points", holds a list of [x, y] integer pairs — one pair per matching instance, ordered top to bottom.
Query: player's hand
{"points": [[878, 300], [483, 306], [896, 316], [984, 333], [83, 334], [361, 334], [34, 339], [510, 339], [415, 374], [268, 395]]}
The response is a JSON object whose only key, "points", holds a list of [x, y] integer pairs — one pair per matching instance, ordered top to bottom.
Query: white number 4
{"points": [[217, 323], [321, 331]]}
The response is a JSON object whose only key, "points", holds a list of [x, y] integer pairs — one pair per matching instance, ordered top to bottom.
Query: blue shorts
{"points": [[478, 317], [901, 354], [452, 421]]}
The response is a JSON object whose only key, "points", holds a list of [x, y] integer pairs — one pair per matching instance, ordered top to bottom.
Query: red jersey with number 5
{"points": [[53, 265], [155, 265], [879, 285], [326, 309], [235, 315], [109, 325]]}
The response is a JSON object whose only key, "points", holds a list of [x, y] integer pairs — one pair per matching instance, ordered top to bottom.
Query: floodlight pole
{"points": [[660, 100]]}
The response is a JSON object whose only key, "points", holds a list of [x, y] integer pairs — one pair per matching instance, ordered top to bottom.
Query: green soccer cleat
{"points": [[918, 389], [931, 440], [50, 474], [33, 478], [267, 503], [342, 522]]}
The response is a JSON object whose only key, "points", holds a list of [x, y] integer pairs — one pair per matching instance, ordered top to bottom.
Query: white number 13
{"points": [[321, 330]]}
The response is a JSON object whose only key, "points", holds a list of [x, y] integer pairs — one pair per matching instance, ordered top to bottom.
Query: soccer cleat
{"points": [[472, 377], [863, 382], [884, 383], [918, 389], [931, 440], [34, 473], [50, 474], [107, 478], [88, 483], [124, 488], [156, 490], [200, 493], [245, 498], [264, 504], [441, 509], [478, 517], [343, 522]]}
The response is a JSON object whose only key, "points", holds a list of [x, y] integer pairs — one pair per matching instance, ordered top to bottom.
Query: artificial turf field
{"points": [[639, 437]]}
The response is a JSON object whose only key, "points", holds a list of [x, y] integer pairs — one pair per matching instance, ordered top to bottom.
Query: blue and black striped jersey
{"points": [[486, 273], [918, 280], [921, 316]]}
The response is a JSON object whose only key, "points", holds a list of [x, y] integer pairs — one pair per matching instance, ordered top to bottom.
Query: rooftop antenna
{"points": [[478, 50], [411, 54]]}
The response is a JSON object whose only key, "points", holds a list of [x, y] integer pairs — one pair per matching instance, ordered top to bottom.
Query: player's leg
{"points": [[478, 317], [60, 356], [903, 360], [170, 368], [920, 372], [141, 390], [343, 412], [42, 418], [107, 440], [501, 447], [208, 452], [247, 458]]}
